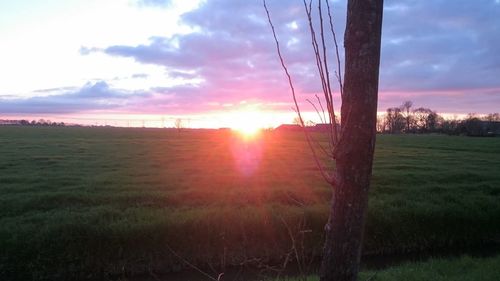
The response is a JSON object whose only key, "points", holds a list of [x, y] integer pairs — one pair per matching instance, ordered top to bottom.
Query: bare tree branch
{"points": [[322, 65], [339, 67], [321, 106], [297, 108], [317, 111], [333, 122], [330, 144], [329, 154], [192, 265]]}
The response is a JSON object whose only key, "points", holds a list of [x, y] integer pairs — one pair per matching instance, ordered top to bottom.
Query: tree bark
{"points": [[354, 152]]}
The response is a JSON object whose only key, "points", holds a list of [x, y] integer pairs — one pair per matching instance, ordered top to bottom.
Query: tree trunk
{"points": [[354, 152]]}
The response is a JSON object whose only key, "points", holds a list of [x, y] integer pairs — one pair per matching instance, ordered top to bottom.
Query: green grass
{"points": [[84, 203], [459, 269]]}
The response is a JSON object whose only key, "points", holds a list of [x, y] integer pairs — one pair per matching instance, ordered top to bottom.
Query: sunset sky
{"points": [[213, 63]]}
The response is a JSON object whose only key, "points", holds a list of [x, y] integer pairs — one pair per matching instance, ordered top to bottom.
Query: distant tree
{"points": [[407, 114], [492, 117], [425, 119], [296, 121], [395, 121], [432, 121], [309, 123], [439, 123], [178, 124], [381, 124], [450, 126], [472, 126]]}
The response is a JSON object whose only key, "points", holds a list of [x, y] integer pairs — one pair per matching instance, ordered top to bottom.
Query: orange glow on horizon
{"points": [[248, 120]]}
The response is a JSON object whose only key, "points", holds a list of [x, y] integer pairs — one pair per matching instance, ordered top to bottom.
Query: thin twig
{"points": [[314, 43], [322, 65], [339, 75], [290, 83], [321, 106], [316, 109], [333, 127], [330, 144], [329, 154], [300, 204], [294, 244], [190, 264], [372, 276]]}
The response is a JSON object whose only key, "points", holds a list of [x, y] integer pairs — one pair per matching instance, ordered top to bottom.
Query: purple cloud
{"points": [[437, 45], [428, 47], [233, 54], [439, 54], [92, 96]]}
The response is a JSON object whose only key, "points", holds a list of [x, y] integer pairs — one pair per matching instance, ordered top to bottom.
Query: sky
{"points": [[213, 63]]}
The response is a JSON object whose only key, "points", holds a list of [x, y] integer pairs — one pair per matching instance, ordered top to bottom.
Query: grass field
{"points": [[98, 202], [459, 269]]}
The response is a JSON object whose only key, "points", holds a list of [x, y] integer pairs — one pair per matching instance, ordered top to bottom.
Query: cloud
{"points": [[155, 3], [437, 45], [428, 46], [87, 51], [233, 54], [440, 54], [140, 75], [52, 90], [91, 97]]}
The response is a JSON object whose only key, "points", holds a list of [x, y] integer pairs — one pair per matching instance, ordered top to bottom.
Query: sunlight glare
{"points": [[248, 123], [248, 131]]}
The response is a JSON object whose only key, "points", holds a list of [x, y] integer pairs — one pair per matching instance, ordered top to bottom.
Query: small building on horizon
{"points": [[288, 127], [320, 127]]}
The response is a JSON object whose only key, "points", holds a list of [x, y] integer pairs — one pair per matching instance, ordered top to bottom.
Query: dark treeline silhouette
{"points": [[419, 120], [23, 122]]}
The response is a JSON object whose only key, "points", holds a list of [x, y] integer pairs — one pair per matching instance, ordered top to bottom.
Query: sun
{"points": [[248, 123], [248, 131]]}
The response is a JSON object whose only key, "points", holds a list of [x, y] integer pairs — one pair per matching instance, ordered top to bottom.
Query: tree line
{"points": [[417, 120], [40, 122]]}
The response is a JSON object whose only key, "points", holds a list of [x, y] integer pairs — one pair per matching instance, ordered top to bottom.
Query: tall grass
{"points": [[85, 203], [460, 269]]}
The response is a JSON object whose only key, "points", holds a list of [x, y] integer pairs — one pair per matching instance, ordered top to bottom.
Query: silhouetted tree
{"points": [[406, 113], [492, 117], [424, 119], [394, 120], [296, 121], [432, 121], [309, 123], [178, 124], [381, 124], [450, 126], [472, 126], [353, 146]]}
